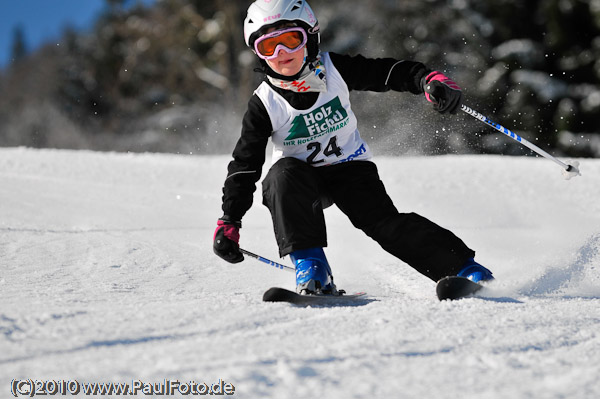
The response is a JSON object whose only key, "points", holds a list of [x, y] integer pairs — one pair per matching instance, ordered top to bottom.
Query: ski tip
{"points": [[455, 287], [276, 294]]}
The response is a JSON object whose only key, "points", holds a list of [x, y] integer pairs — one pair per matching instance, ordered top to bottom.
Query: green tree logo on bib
{"points": [[327, 118]]}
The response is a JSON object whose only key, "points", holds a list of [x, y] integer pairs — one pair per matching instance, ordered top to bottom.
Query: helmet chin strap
{"points": [[273, 74], [312, 79]]}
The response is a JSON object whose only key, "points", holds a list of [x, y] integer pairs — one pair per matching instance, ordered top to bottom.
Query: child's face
{"points": [[287, 64]]}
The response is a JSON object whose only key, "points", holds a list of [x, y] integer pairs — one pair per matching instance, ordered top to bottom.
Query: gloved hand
{"points": [[442, 92], [226, 240]]}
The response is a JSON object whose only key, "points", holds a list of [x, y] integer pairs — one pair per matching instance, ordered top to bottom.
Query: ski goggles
{"points": [[291, 39]]}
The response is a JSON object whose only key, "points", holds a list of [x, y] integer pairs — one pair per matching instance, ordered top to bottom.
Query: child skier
{"points": [[319, 157]]}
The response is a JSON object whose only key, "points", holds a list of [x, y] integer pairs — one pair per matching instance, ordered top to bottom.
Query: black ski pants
{"points": [[296, 194]]}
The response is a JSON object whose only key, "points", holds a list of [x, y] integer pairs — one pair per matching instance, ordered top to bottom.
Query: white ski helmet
{"points": [[264, 13]]}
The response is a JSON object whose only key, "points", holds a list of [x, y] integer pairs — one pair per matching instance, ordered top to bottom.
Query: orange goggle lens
{"points": [[288, 39]]}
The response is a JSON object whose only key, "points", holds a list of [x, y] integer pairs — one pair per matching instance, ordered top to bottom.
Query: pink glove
{"points": [[443, 92], [230, 231], [226, 241]]}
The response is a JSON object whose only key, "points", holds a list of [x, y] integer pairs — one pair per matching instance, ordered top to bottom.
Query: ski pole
{"points": [[569, 170], [267, 261]]}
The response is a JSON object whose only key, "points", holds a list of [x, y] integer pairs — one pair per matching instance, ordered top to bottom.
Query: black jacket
{"points": [[359, 73]]}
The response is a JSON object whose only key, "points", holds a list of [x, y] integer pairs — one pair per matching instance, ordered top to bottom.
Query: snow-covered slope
{"points": [[107, 275]]}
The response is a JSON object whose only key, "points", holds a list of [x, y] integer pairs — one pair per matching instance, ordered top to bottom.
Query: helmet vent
{"points": [[297, 5]]}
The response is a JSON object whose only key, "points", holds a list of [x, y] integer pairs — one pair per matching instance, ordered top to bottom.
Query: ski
{"points": [[454, 287], [277, 294]]}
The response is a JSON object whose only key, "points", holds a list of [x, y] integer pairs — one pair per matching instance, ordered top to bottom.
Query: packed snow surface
{"points": [[107, 274]]}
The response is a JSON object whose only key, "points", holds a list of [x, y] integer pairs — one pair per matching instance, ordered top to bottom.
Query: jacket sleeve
{"points": [[380, 74], [248, 158]]}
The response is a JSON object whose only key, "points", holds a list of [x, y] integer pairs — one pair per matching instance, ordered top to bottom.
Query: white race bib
{"points": [[324, 134]]}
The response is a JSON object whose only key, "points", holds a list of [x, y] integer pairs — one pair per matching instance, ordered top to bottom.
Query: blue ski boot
{"points": [[475, 272], [313, 274]]}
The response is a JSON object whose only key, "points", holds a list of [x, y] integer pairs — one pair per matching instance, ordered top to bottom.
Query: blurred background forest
{"points": [[176, 76]]}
